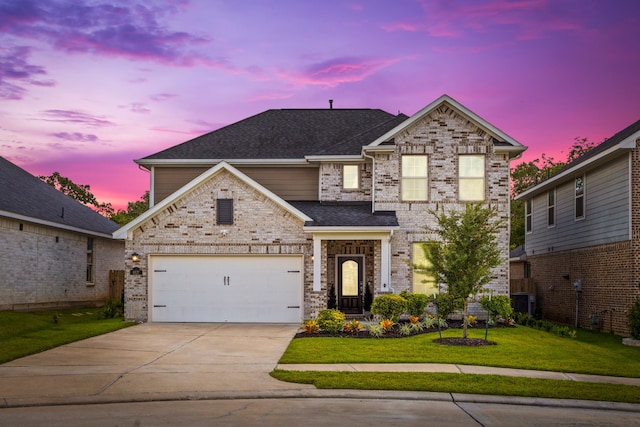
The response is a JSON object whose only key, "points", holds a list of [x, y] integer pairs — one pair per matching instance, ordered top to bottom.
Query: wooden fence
{"points": [[116, 284], [527, 286]]}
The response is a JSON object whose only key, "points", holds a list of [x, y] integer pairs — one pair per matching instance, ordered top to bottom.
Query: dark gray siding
{"points": [[606, 212]]}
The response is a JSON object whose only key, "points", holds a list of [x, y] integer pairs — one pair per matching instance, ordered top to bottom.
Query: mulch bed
{"points": [[395, 333]]}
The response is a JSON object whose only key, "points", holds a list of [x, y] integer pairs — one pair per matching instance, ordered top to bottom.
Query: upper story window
{"points": [[350, 177], [471, 178], [415, 184], [580, 197], [551, 208], [224, 211], [528, 216], [423, 282]]}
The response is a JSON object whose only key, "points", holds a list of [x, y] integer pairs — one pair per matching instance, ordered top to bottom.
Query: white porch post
{"points": [[317, 263], [385, 268]]}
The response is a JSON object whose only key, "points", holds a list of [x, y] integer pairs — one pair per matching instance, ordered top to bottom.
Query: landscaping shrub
{"points": [[416, 303], [447, 304], [389, 306], [500, 307], [112, 308], [525, 319], [633, 319], [331, 320], [310, 326], [353, 327], [375, 331]]}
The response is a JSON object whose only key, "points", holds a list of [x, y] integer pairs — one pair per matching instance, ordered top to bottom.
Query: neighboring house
{"points": [[257, 221], [583, 235], [54, 251], [521, 285]]}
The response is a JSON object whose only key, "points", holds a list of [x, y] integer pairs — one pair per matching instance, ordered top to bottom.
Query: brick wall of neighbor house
{"points": [[442, 135], [331, 185], [635, 218], [188, 226], [45, 267], [606, 272]]}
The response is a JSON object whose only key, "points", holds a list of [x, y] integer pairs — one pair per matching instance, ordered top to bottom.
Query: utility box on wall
{"points": [[523, 303]]}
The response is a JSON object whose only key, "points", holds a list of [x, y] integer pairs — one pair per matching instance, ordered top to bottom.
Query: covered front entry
{"points": [[349, 276], [226, 288]]}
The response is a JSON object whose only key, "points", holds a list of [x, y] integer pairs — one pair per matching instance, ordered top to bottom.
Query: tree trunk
{"points": [[465, 314]]}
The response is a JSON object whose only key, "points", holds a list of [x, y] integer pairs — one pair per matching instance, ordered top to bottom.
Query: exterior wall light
{"points": [[135, 257]]}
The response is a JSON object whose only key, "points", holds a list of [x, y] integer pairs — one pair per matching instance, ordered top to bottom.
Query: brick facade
{"points": [[442, 135], [188, 226], [45, 267]]}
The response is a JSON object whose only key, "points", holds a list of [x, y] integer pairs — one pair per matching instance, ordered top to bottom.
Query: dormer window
{"points": [[350, 177]]}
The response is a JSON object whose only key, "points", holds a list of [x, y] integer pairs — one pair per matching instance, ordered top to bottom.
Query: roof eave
{"points": [[479, 121], [625, 145], [213, 162], [53, 224], [349, 229]]}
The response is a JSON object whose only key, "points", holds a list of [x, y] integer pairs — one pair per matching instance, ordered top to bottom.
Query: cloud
{"points": [[524, 19], [126, 30], [15, 71], [336, 71], [159, 97], [77, 117], [76, 136]]}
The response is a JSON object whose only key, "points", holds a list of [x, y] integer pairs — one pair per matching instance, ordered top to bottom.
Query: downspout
{"points": [[373, 180]]}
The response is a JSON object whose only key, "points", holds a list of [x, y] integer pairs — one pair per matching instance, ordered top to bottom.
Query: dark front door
{"points": [[350, 284]]}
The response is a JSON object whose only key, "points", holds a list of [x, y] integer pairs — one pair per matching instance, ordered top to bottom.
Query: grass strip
{"points": [[22, 334], [520, 347], [464, 383]]}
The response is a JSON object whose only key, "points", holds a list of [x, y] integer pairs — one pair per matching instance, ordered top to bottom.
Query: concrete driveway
{"points": [[152, 361]]}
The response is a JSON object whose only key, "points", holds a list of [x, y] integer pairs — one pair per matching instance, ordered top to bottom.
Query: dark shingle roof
{"points": [[288, 134], [25, 194], [345, 214]]}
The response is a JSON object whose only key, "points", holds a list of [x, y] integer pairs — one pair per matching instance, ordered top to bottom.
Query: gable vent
{"points": [[224, 211]]}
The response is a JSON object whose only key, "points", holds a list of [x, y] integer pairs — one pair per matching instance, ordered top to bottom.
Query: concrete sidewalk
{"points": [[457, 369]]}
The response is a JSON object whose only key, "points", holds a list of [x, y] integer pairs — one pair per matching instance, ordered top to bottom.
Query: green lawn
{"points": [[22, 334], [520, 347]]}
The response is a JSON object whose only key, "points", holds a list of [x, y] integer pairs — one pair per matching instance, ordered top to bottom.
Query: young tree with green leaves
{"points": [[465, 252]]}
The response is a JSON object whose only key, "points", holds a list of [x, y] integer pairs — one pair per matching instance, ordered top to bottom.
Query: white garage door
{"points": [[226, 288]]}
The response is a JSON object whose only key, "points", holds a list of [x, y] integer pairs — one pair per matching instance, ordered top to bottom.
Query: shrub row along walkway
{"points": [[456, 369]]}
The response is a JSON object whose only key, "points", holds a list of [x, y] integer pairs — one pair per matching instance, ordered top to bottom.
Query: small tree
{"points": [[465, 252]]}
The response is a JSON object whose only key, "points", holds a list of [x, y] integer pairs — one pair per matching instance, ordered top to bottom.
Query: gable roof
{"points": [[285, 134], [624, 140], [502, 141], [25, 197], [124, 231]]}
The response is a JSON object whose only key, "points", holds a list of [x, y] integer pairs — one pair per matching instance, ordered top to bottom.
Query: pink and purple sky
{"points": [[87, 86]]}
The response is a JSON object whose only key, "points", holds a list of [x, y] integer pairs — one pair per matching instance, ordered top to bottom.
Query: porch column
{"points": [[317, 263], [385, 267]]}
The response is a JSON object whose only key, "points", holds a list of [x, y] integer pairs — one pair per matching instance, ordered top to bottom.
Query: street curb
{"points": [[455, 398]]}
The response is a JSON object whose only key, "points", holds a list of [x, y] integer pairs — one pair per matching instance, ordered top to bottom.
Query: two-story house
{"points": [[258, 221], [583, 235]]}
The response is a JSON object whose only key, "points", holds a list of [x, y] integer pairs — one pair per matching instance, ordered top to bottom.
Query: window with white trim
{"points": [[350, 177], [471, 178], [415, 183], [551, 208], [579, 211], [528, 216], [423, 282]]}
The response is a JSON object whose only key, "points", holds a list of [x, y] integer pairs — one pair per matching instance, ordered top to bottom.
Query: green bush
{"points": [[416, 303], [447, 304], [389, 306], [500, 306], [112, 308], [633, 319], [331, 320]]}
